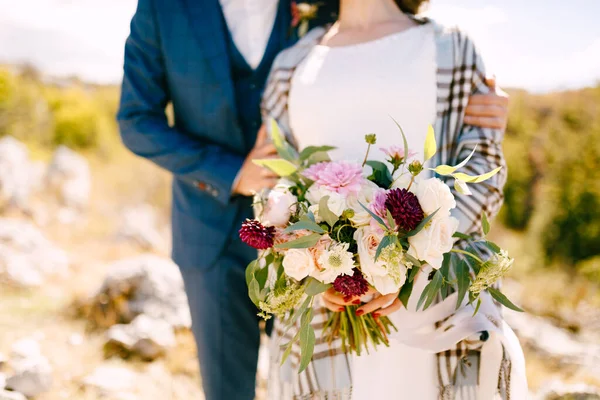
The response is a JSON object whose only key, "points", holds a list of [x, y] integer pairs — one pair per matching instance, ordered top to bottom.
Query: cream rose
{"points": [[434, 194], [365, 197], [336, 202], [279, 206], [431, 243], [298, 263]]}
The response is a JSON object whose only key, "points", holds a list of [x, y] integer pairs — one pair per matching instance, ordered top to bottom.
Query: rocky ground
{"points": [[91, 308]]}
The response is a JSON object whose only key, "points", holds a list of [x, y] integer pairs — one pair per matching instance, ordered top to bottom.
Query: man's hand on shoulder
{"points": [[488, 110], [253, 178]]}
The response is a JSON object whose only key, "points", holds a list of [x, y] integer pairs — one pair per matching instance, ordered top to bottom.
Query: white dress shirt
{"points": [[250, 23]]}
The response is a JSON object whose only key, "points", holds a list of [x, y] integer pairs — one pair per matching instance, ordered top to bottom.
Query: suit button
{"points": [[201, 185]]}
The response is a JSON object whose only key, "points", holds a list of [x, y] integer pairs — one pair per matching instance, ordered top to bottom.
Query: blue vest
{"points": [[249, 83]]}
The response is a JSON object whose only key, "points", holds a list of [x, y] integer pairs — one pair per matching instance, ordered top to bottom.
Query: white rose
{"points": [[433, 194], [365, 197], [336, 202], [280, 205], [432, 242], [298, 263], [386, 276]]}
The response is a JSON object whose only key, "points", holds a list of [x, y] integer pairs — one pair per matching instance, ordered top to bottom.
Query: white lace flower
{"points": [[334, 261], [491, 271], [279, 302]]}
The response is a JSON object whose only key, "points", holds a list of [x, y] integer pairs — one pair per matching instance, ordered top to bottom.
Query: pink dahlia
{"points": [[397, 153], [339, 176], [405, 208], [256, 235], [351, 285]]}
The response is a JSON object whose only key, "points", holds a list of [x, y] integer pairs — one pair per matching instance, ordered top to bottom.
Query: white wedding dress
{"points": [[339, 94]]}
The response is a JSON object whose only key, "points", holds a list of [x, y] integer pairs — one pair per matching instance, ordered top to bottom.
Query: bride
{"points": [[334, 86]]}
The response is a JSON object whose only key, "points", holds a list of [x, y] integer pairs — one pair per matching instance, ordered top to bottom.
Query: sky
{"points": [[539, 45]]}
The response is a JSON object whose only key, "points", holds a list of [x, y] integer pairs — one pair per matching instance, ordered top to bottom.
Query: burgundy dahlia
{"points": [[405, 208], [256, 235], [354, 285]]}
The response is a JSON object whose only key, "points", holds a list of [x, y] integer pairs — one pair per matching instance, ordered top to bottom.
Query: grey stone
{"points": [[19, 176], [69, 177], [139, 225], [27, 256], [152, 286], [146, 337], [32, 373], [2, 380], [111, 381], [558, 390], [8, 395]]}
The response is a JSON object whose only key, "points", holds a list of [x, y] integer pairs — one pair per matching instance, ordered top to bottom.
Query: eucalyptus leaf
{"points": [[405, 142], [430, 144], [284, 149], [310, 150], [278, 165], [447, 169], [381, 173], [476, 178], [325, 213], [372, 214], [390, 220], [304, 224], [422, 224], [485, 224], [462, 236], [303, 242], [385, 242], [492, 246], [413, 260], [250, 271], [412, 274], [261, 276], [463, 279], [436, 284], [314, 287], [254, 291], [405, 292], [424, 295], [502, 299], [477, 306], [307, 340], [288, 347]]}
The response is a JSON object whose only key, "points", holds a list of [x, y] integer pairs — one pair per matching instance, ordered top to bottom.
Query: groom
{"points": [[210, 59]]}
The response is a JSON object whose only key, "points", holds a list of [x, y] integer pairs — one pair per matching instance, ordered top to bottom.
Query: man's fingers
{"points": [[490, 81], [497, 99], [477, 110], [485, 122], [266, 150], [376, 304], [395, 306]]}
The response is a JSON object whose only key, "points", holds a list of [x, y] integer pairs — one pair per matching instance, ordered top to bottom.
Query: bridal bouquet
{"points": [[361, 229]]}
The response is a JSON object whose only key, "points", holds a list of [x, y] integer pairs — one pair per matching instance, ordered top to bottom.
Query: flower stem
{"points": [[366, 155], [412, 179]]}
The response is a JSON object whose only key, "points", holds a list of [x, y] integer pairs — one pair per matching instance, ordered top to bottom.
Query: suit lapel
{"points": [[205, 18]]}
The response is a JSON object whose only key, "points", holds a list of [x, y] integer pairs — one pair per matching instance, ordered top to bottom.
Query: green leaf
{"points": [[403, 139], [430, 144], [284, 149], [310, 150], [317, 157], [278, 165], [381, 174], [476, 178], [462, 187], [325, 213], [372, 214], [390, 220], [304, 224], [422, 224], [485, 224], [462, 236], [303, 242], [385, 242], [492, 246], [413, 260], [250, 269], [413, 273], [261, 276], [463, 280], [436, 284], [314, 287], [254, 291], [405, 292], [424, 296], [502, 299], [477, 306], [298, 313], [307, 340], [286, 353]]}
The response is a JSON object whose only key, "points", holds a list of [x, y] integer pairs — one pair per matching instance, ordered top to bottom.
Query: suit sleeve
{"points": [[143, 123], [488, 195]]}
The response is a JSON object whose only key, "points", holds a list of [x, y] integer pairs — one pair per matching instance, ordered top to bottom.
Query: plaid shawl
{"points": [[460, 73]]}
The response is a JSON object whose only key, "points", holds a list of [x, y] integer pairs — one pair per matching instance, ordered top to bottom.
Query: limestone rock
{"points": [[69, 177], [138, 224], [146, 337], [32, 373], [111, 381], [8, 395]]}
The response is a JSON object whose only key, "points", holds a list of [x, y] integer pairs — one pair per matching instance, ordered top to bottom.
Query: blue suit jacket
{"points": [[177, 52]]}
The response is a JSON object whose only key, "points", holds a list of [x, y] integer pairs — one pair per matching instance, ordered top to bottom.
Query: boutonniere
{"points": [[302, 14]]}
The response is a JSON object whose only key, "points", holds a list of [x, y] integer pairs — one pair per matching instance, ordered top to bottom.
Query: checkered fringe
{"points": [[460, 74]]}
